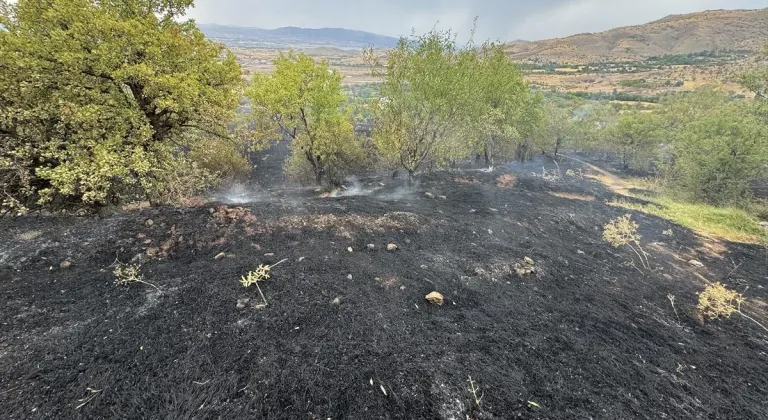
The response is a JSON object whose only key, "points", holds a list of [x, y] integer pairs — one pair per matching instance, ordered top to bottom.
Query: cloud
{"points": [[498, 19]]}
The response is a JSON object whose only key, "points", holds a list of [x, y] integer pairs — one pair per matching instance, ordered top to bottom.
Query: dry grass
{"points": [[506, 181], [573, 196], [345, 226], [716, 301]]}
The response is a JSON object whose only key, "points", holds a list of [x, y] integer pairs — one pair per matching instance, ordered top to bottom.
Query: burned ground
{"points": [[349, 334]]}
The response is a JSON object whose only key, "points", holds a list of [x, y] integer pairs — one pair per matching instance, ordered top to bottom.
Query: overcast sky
{"points": [[504, 20]]}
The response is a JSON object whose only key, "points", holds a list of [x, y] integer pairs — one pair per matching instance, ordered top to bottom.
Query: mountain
{"points": [[715, 30], [292, 36]]}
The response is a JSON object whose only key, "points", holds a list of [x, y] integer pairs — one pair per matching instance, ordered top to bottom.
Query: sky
{"points": [[503, 20]]}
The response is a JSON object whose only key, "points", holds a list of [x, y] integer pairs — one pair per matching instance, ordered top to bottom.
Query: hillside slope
{"points": [[676, 34]]}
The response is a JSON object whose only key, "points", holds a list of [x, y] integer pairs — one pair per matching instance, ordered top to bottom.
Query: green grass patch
{"points": [[729, 223]]}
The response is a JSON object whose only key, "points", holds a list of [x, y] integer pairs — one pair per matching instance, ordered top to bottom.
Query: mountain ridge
{"points": [[709, 30], [294, 35]]}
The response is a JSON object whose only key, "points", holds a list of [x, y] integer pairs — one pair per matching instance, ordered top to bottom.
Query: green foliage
{"points": [[424, 92], [95, 96], [303, 99], [441, 103], [501, 105], [559, 127], [634, 136], [718, 147], [225, 158]]}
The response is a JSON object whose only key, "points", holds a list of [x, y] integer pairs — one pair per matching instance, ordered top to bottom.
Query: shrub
{"points": [[226, 159], [623, 232], [126, 274], [716, 301]]}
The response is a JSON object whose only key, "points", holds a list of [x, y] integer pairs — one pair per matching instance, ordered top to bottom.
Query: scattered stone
{"points": [[429, 195], [442, 197], [211, 210], [149, 222], [490, 232], [140, 236], [147, 241], [371, 247], [392, 247], [350, 250], [580, 252], [269, 254], [220, 255], [302, 259], [529, 261], [695, 263], [65, 264], [424, 267], [349, 276], [402, 287], [435, 298], [242, 302], [336, 302]]}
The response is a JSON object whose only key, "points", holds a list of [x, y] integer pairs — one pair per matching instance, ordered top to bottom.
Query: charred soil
{"points": [[580, 332]]}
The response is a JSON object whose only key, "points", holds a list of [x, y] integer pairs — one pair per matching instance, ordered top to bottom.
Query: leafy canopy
{"points": [[96, 97], [303, 99]]}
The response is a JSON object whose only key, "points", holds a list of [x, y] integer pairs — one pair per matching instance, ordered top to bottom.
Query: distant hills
{"points": [[717, 30], [237, 36]]}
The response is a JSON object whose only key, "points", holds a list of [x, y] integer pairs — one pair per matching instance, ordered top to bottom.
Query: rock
{"points": [[429, 195], [442, 197], [211, 210], [149, 222], [490, 232], [140, 236], [147, 241], [371, 247], [392, 247], [350, 250], [580, 252], [269, 254], [220, 255], [302, 259], [529, 261], [695, 263], [65, 264], [424, 267], [349, 276], [435, 298], [242, 302], [336, 302]]}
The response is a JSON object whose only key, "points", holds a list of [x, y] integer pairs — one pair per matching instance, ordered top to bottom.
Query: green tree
{"points": [[97, 98], [425, 99], [303, 100], [506, 112], [558, 128], [635, 138], [716, 157]]}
